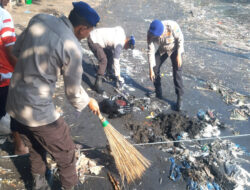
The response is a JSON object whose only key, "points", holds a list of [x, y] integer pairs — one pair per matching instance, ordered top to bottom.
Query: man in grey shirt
{"points": [[48, 47]]}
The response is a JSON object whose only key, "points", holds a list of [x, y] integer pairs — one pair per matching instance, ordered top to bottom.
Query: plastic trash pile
{"points": [[240, 102], [116, 106], [211, 123], [217, 165], [84, 167], [176, 172]]}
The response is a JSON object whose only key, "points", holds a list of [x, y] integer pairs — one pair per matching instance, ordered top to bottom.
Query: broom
{"points": [[131, 164]]}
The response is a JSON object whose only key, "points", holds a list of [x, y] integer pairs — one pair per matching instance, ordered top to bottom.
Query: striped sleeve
{"points": [[7, 32]]}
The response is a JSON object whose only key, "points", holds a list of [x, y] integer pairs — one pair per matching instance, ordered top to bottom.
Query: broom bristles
{"points": [[130, 163]]}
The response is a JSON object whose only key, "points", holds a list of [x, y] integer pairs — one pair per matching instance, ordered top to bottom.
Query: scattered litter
{"points": [[27, 12], [148, 20], [213, 87], [129, 88], [104, 95], [230, 97], [116, 106], [210, 113], [201, 114], [238, 115], [151, 116], [174, 126], [209, 131], [182, 136], [3, 140], [205, 148], [204, 161], [84, 166], [4, 170], [175, 173], [237, 173], [160, 181], [11, 182], [114, 182], [192, 185], [210, 186], [216, 186]]}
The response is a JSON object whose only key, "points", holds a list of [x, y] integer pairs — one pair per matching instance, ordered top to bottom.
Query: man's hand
{"points": [[179, 60], [151, 75], [121, 79], [119, 82], [93, 106]]}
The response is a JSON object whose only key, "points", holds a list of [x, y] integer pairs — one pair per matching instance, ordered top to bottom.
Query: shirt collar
{"points": [[67, 22]]}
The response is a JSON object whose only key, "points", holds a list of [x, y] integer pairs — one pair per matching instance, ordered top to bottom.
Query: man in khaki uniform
{"points": [[168, 36], [107, 45]]}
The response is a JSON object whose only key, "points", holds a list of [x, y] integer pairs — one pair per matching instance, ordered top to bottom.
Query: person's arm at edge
{"points": [[180, 43], [117, 53], [151, 57], [12, 58], [72, 74]]}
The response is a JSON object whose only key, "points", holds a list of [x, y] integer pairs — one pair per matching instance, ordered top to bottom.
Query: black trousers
{"points": [[103, 55], [177, 71], [3, 100], [53, 138]]}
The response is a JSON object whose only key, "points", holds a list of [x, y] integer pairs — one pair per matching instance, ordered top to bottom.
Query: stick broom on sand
{"points": [[130, 163]]}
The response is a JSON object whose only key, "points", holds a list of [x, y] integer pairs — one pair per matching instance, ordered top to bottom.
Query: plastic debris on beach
{"points": [[241, 102], [116, 106], [240, 114], [201, 165], [216, 165], [84, 166], [4, 171], [10, 182]]}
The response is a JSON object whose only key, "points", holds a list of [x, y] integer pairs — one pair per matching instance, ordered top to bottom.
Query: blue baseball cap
{"points": [[84, 10], [156, 28], [132, 42]]}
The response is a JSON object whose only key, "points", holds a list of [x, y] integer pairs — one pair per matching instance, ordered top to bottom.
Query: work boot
{"points": [[98, 85], [158, 90], [179, 103], [40, 182]]}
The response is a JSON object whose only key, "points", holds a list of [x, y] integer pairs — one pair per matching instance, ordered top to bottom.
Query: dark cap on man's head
{"points": [[87, 12], [156, 28], [132, 42]]}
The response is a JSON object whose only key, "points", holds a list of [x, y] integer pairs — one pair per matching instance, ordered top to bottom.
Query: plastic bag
{"points": [[116, 106]]}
